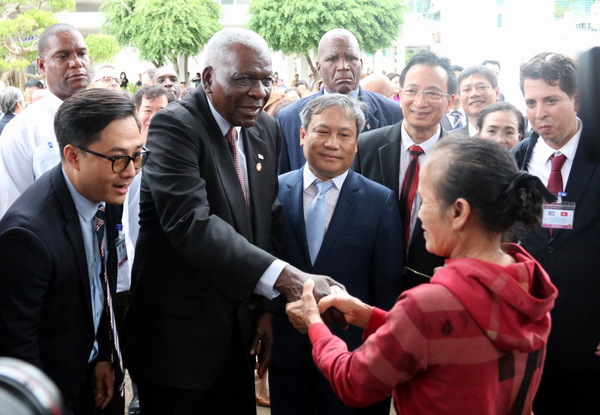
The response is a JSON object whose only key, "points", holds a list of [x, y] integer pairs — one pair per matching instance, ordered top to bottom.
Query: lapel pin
{"points": [[368, 126], [260, 156], [258, 166]]}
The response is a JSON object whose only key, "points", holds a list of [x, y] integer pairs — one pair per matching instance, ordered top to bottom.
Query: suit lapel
{"points": [[372, 112], [256, 152], [389, 156], [227, 172], [293, 200], [343, 209], [74, 233]]}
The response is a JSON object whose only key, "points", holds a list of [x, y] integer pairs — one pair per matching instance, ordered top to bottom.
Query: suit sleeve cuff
{"points": [[267, 281], [377, 320]]}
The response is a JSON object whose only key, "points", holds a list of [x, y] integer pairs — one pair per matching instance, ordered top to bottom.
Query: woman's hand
{"points": [[355, 311], [304, 312]]}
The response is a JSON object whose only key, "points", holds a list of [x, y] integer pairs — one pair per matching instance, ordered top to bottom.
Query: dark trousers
{"points": [[305, 391], [232, 392], [564, 392]]}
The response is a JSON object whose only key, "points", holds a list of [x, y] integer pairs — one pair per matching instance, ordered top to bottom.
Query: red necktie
{"points": [[232, 140], [555, 182], [409, 190]]}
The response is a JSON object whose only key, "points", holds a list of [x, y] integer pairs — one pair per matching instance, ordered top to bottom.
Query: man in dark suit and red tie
{"points": [[563, 153], [392, 155], [208, 217], [58, 252]]}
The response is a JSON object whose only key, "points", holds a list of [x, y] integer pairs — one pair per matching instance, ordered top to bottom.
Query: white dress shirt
{"points": [[463, 117], [28, 149], [405, 162], [540, 164], [310, 192], [265, 285]]}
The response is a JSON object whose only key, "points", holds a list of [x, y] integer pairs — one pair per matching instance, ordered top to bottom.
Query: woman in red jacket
{"points": [[462, 344]]}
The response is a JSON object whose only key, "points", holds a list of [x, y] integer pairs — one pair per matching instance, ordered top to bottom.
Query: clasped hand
{"points": [[306, 312]]}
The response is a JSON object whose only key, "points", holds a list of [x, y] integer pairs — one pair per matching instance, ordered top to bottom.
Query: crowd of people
{"points": [[409, 239]]}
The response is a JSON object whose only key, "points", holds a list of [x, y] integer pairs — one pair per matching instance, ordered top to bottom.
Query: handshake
{"points": [[321, 300]]}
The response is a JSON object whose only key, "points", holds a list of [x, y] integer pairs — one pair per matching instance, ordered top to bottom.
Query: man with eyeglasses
{"points": [[105, 77], [477, 88], [28, 146], [392, 155], [61, 248]]}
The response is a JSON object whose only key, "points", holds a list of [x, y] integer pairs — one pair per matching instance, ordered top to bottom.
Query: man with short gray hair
{"points": [[12, 102], [208, 216], [357, 240]]}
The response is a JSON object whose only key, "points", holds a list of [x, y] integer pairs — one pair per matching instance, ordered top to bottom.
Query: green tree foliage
{"points": [[21, 23], [296, 26], [161, 30], [102, 47]]}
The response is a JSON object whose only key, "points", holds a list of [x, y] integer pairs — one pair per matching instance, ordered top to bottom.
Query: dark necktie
{"points": [[456, 123], [232, 136], [555, 181], [409, 190], [100, 220]]}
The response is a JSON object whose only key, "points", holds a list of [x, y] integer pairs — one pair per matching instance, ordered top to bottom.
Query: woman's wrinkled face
{"points": [[439, 235]]}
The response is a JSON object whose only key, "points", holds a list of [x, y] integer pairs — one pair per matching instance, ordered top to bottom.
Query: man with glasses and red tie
{"points": [[105, 77], [392, 155], [61, 248]]}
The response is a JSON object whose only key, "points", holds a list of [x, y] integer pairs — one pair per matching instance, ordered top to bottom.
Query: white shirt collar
{"points": [[351, 94], [427, 145], [309, 177]]}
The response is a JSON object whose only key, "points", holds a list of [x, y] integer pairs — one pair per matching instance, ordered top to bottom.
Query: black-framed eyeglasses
{"points": [[120, 163]]}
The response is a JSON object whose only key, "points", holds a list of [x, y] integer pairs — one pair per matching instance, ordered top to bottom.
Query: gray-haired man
{"points": [[337, 223]]}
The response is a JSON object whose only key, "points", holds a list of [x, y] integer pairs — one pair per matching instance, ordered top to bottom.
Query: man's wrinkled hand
{"points": [[262, 344]]}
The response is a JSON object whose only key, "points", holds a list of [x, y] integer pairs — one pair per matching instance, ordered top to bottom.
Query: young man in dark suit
{"points": [[340, 67], [563, 153], [391, 155], [208, 210], [357, 240], [58, 251]]}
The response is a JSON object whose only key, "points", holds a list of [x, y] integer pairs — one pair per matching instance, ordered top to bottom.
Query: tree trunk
{"points": [[175, 64], [313, 69]]}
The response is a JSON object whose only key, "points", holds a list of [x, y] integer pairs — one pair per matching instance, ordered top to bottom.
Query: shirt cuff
{"points": [[267, 281], [377, 320], [317, 331]]}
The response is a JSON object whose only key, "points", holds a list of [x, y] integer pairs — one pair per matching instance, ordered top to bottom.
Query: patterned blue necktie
{"points": [[456, 123], [100, 220], [315, 221]]}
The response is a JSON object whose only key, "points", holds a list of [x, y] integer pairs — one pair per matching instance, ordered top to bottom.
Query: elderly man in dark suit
{"points": [[340, 67], [563, 153], [391, 156], [208, 211], [359, 243], [58, 251]]}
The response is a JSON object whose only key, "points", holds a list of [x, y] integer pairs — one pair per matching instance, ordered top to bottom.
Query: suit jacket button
{"points": [[549, 249]]}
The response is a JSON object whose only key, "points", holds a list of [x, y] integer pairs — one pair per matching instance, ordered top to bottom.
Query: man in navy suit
{"points": [[340, 67], [563, 147], [384, 155], [357, 240], [55, 307]]}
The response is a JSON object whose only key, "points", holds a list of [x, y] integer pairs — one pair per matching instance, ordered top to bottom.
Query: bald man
{"points": [[340, 67], [378, 83]]}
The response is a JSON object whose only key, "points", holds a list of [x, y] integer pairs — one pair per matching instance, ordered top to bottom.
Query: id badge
{"points": [[558, 215], [121, 250]]}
